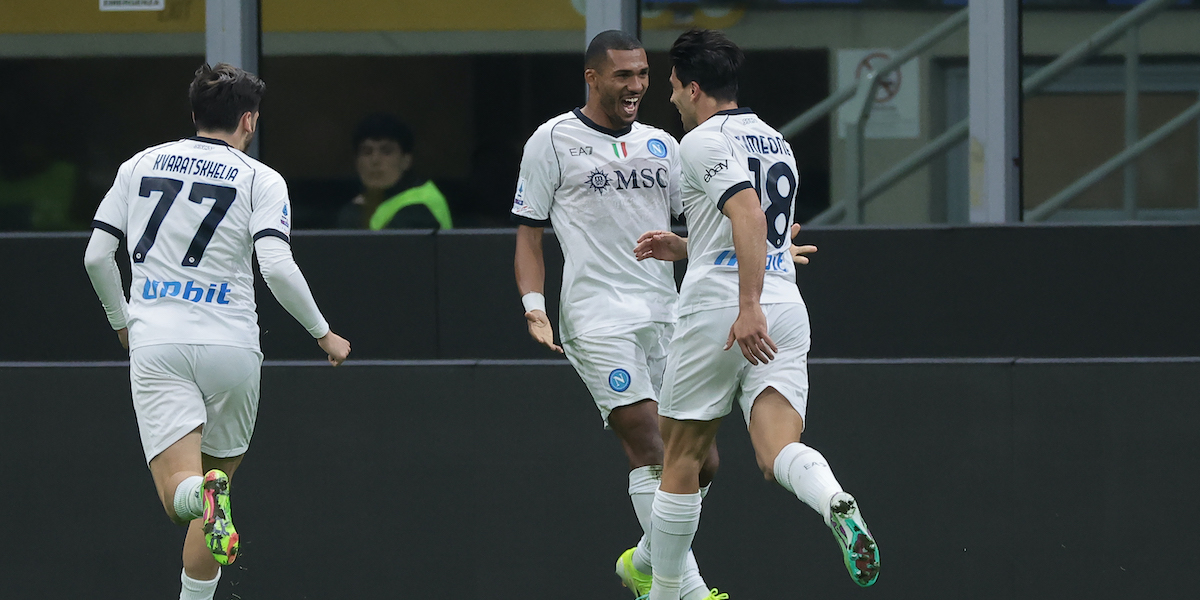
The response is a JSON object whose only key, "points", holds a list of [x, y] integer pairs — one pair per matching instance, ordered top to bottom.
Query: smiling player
{"points": [[602, 178]]}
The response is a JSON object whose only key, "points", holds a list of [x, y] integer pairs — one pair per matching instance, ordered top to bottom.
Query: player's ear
{"points": [[249, 121]]}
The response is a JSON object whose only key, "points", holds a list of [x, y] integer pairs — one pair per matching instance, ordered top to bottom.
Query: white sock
{"points": [[805, 473], [643, 482], [188, 502], [673, 527], [642, 556], [692, 587], [194, 589]]}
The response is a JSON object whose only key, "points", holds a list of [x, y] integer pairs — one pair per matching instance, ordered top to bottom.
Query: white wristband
{"points": [[534, 301]]}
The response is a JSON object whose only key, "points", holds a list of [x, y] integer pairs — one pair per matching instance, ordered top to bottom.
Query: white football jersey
{"points": [[732, 151], [601, 189], [190, 212]]}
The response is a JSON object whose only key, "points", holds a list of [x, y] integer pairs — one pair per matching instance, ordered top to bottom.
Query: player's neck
{"points": [[707, 107], [231, 138]]}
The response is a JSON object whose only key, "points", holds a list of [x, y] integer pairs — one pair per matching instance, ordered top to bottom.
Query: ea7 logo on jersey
{"points": [[581, 151], [712, 171]]}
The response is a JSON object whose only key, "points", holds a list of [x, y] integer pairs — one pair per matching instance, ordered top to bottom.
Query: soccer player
{"points": [[602, 178], [739, 180], [192, 212]]}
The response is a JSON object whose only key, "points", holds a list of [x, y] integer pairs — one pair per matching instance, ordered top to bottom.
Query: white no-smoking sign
{"points": [[897, 109]]}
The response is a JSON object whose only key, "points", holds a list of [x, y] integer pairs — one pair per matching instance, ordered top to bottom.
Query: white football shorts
{"points": [[622, 364], [702, 380], [178, 387]]}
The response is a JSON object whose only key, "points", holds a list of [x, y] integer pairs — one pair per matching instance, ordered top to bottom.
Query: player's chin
{"points": [[626, 119]]}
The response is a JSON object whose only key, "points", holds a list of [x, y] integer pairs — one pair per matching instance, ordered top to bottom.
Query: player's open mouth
{"points": [[630, 105]]}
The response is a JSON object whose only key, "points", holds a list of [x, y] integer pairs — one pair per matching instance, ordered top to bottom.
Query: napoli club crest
{"points": [[657, 148], [619, 380]]}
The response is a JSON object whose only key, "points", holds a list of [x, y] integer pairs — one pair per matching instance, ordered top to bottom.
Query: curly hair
{"points": [[221, 94]]}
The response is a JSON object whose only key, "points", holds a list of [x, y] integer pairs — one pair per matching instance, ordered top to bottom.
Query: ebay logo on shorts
{"points": [[189, 291]]}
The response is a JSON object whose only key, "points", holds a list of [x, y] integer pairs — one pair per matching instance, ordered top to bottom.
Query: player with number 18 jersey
{"points": [[732, 151], [739, 181]]}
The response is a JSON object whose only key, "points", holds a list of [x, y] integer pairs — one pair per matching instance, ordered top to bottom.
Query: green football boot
{"points": [[219, 533], [859, 551], [635, 580]]}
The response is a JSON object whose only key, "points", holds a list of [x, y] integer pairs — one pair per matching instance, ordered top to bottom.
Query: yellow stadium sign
{"points": [[298, 16]]}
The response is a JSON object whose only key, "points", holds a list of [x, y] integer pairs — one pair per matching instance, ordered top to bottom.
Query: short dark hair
{"points": [[613, 39], [711, 60], [220, 95], [382, 126]]}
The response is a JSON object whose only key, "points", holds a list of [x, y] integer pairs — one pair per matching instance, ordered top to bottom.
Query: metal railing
{"points": [[863, 92], [1123, 159]]}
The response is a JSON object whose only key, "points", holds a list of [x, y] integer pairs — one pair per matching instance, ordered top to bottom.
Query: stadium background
{"points": [[1014, 405]]}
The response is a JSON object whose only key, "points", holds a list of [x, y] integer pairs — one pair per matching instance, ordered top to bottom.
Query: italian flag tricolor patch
{"points": [[619, 150]]}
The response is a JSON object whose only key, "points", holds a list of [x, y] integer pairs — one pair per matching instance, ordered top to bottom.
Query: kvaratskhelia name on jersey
{"points": [[197, 167]]}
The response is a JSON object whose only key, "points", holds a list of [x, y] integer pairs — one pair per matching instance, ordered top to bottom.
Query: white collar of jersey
{"points": [[602, 129]]}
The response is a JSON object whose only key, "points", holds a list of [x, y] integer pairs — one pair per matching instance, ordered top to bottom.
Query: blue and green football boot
{"points": [[859, 551]]}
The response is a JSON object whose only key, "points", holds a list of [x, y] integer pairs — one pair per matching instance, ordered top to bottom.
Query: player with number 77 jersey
{"points": [[193, 212]]}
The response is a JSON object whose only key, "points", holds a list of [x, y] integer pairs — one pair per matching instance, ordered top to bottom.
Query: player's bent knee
{"points": [[645, 459], [766, 464], [708, 470], [169, 508]]}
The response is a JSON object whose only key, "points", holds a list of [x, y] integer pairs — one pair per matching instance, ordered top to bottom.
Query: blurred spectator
{"points": [[391, 197]]}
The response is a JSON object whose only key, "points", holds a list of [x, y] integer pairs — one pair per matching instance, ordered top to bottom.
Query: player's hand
{"points": [[662, 245], [800, 253], [541, 331], [750, 333], [123, 336], [336, 347]]}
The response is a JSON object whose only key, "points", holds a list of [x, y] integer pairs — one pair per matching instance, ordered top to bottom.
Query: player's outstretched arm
{"points": [[749, 225], [661, 245], [800, 253], [530, 266], [106, 280], [287, 283]]}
